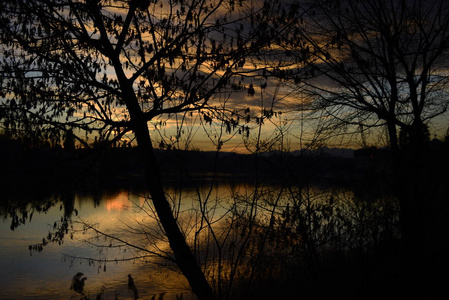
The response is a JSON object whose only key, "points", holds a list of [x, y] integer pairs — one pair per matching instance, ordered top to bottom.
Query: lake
{"points": [[47, 274]]}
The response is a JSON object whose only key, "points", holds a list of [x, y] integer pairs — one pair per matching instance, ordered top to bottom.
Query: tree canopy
{"points": [[374, 63], [92, 65], [112, 66]]}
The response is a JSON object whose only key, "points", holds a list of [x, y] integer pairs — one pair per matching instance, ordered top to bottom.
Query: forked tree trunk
{"points": [[185, 259]]}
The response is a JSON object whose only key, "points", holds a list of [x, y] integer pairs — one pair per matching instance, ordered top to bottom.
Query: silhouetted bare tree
{"points": [[375, 63], [383, 64], [110, 67]]}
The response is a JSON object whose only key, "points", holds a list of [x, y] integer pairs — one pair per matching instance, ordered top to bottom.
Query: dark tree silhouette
{"points": [[375, 63], [372, 64], [108, 68]]}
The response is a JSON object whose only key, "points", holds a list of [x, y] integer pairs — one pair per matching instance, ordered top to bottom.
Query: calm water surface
{"points": [[47, 274]]}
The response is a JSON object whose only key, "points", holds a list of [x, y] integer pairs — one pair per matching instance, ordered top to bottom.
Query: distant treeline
{"points": [[44, 169]]}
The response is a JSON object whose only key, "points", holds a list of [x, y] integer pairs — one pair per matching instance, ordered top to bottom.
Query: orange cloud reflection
{"points": [[118, 203]]}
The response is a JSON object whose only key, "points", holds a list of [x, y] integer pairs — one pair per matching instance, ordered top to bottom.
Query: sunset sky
{"points": [[291, 130]]}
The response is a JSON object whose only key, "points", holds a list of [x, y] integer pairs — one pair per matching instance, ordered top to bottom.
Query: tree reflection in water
{"points": [[242, 235]]}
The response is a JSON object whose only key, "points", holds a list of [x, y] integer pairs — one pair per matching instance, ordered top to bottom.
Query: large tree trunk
{"points": [[393, 138], [409, 186], [412, 189], [182, 252], [184, 257]]}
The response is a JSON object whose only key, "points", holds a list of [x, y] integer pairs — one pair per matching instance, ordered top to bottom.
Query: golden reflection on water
{"points": [[118, 203], [47, 275]]}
